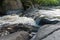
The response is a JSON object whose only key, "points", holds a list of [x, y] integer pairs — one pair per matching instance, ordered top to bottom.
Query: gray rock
{"points": [[12, 4], [10, 7], [8, 29], [48, 32], [16, 36]]}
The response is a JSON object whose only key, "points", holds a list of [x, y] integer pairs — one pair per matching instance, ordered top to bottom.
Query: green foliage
{"points": [[47, 2], [28, 3]]}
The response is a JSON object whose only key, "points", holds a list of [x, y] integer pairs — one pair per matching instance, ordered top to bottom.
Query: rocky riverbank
{"points": [[29, 21], [20, 23], [11, 24]]}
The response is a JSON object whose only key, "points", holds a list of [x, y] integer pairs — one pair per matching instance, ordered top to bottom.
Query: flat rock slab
{"points": [[49, 32]]}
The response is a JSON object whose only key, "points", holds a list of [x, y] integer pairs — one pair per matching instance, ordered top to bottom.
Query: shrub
{"points": [[47, 2]]}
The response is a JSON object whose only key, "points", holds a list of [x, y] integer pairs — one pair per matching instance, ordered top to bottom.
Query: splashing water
{"points": [[52, 13], [15, 19]]}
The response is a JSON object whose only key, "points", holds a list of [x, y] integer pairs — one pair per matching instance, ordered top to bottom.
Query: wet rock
{"points": [[33, 12], [47, 21], [8, 29], [48, 32], [22, 35]]}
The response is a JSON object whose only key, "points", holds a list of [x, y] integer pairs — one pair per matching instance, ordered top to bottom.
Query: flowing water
{"points": [[32, 17], [15, 19]]}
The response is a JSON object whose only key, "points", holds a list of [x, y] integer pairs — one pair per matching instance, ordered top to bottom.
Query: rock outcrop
{"points": [[48, 32]]}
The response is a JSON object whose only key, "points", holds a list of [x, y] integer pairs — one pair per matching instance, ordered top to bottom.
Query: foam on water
{"points": [[51, 13], [15, 19]]}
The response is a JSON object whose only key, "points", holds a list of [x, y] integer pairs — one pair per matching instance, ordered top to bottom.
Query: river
{"points": [[34, 17]]}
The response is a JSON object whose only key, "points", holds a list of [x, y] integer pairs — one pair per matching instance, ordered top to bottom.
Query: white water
{"points": [[50, 13], [53, 14], [15, 19]]}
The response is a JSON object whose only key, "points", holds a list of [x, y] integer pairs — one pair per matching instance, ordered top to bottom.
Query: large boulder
{"points": [[12, 4], [48, 32], [22, 35]]}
